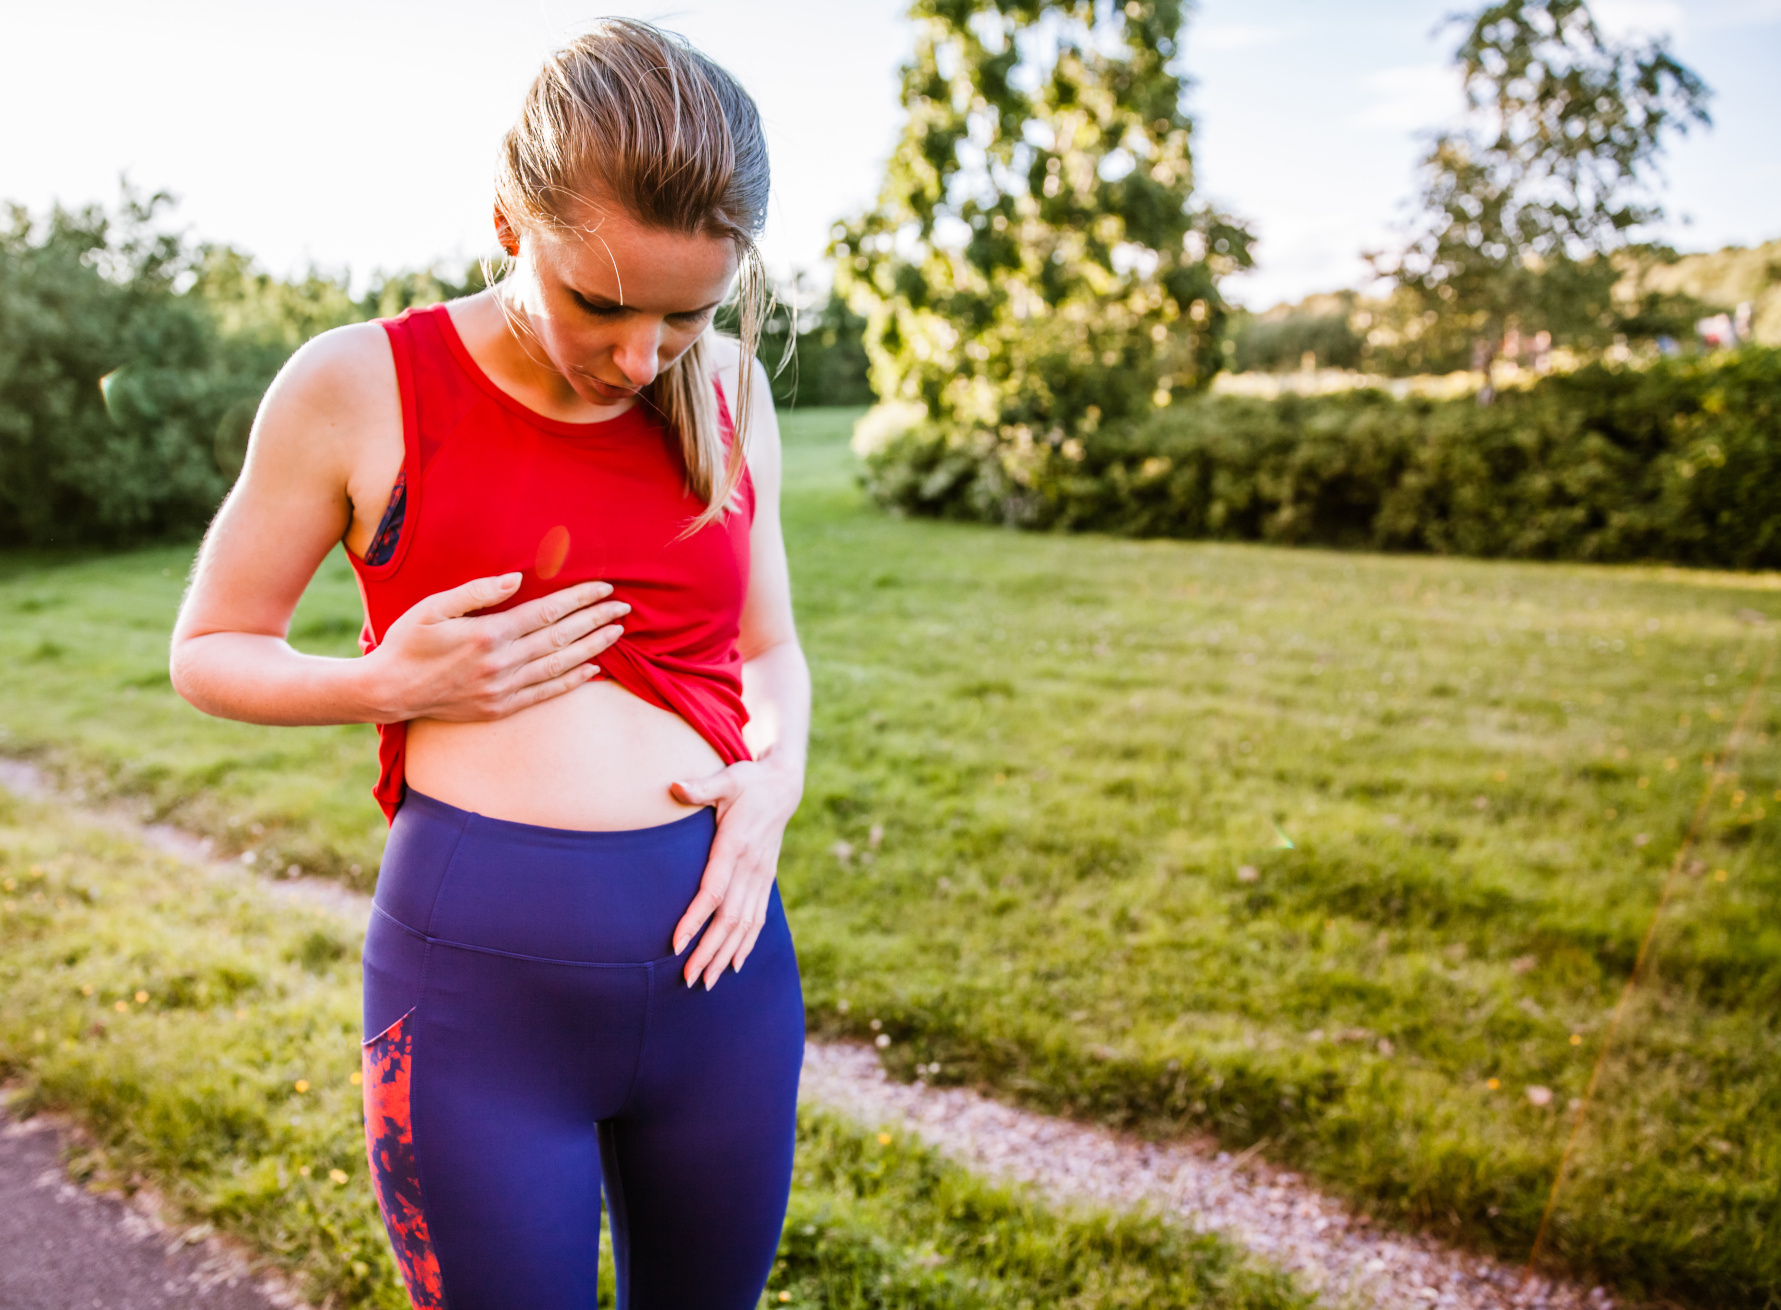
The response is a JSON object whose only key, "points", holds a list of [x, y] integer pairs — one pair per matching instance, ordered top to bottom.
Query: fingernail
{"points": [[511, 579], [680, 946], [710, 983]]}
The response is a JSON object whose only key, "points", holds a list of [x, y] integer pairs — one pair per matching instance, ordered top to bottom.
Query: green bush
{"points": [[1279, 345], [132, 364], [110, 397], [1679, 462]]}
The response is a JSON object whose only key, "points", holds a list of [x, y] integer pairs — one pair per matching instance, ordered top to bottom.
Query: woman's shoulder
{"points": [[725, 355], [341, 363], [337, 393], [761, 423]]}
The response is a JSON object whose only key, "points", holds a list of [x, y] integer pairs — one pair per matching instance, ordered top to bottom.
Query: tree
{"points": [[1553, 172], [1036, 264], [132, 363], [109, 397]]}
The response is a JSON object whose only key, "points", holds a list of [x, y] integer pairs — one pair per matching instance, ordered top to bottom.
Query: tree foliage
{"points": [[1552, 173], [1036, 262], [132, 363], [109, 390]]}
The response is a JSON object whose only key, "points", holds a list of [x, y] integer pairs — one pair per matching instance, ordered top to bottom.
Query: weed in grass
{"points": [[1042, 845]]}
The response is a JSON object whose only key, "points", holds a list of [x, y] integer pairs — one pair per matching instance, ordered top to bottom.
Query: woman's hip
{"points": [[464, 879], [511, 942]]}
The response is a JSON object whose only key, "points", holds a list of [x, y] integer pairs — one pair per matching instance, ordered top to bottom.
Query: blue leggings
{"points": [[531, 1037]]}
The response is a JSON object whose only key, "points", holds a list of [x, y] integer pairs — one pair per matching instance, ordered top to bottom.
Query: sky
{"points": [[360, 136]]}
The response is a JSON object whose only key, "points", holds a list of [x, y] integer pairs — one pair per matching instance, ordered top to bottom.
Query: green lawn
{"points": [[1298, 847]]}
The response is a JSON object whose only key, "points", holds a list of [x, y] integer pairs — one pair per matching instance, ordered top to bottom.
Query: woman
{"points": [[590, 697]]}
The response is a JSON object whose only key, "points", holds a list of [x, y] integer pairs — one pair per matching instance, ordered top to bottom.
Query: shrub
{"points": [[1279, 343], [132, 365], [109, 397], [1679, 462]]}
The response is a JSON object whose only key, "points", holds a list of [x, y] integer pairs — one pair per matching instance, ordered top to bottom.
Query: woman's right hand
{"points": [[441, 661]]}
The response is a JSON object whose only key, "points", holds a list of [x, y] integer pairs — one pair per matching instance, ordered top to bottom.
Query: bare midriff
{"points": [[596, 759]]}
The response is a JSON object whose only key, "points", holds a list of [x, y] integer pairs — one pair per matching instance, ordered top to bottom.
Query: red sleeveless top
{"points": [[494, 487]]}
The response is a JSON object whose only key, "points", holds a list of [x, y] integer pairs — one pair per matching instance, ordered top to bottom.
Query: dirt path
{"points": [[1273, 1213]]}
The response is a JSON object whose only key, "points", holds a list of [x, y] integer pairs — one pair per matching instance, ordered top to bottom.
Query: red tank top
{"points": [[494, 487]]}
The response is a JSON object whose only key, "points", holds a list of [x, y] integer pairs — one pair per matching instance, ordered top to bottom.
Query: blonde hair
{"points": [[632, 115]]}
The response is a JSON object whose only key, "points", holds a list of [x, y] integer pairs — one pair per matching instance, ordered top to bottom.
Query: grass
{"points": [[84, 687], [1343, 855], [206, 1034]]}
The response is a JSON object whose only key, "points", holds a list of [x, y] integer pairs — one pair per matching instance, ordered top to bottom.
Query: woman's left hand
{"points": [[755, 800]]}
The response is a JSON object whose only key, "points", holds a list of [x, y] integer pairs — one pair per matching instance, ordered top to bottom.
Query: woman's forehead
{"points": [[612, 256]]}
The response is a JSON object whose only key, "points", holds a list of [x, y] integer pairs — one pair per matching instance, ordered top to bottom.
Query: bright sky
{"points": [[360, 135]]}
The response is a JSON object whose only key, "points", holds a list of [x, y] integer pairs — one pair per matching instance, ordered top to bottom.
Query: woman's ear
{"points": [[505, 234]]}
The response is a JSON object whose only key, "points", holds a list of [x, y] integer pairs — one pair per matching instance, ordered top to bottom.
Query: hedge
{"points": [[1678, 462]]}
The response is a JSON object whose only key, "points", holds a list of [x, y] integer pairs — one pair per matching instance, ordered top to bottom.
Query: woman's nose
{"points": [[638, 352]]}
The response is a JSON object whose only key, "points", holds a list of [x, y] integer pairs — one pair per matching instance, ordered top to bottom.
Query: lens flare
{"points": [[553, 551]]}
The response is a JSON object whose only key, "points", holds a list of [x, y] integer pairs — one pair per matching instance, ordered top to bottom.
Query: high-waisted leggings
{"points": [[530, 1038]]}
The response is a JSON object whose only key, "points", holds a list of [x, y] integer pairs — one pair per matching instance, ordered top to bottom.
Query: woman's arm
{"points": [[329, 428], [756, 798]]}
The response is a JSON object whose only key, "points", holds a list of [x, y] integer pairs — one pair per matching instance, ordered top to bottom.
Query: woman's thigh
{"points": [[483, 1104], [698, 1165]]}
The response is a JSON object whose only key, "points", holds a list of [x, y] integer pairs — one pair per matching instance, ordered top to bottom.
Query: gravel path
{"points": [[1266, 1210], [1347, 1261]]}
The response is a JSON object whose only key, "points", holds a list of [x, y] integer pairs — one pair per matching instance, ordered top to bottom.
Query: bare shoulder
{"points": [[725, 350], [725, 354], [726, 361], [341, 370], [335, 400]]}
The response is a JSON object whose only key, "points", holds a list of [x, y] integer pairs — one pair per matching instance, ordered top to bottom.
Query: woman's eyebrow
{"points": [[596, 301]]}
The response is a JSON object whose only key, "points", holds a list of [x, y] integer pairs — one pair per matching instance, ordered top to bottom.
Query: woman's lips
{"points": [[606, 391]]}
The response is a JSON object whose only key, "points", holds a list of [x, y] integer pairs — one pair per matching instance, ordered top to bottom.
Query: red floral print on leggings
{"points": [[389, 1143]]}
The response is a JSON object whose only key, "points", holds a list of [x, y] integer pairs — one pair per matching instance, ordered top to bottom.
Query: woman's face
{"points": [[613, 303]]}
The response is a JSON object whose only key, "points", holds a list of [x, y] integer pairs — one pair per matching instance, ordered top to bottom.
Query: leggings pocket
{"points": [[395, 972]]}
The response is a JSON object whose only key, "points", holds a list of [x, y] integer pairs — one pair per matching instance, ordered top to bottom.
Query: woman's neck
{"points": [[497, 338]]}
